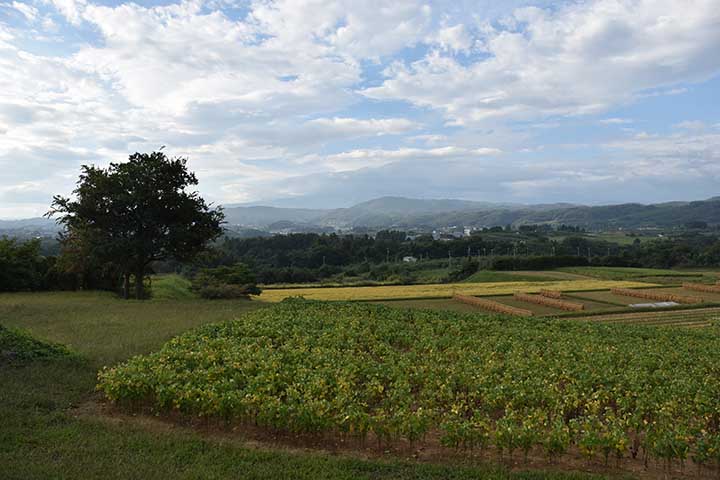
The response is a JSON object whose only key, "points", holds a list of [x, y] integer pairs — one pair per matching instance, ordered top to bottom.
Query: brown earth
{"points": [[250, 436]]}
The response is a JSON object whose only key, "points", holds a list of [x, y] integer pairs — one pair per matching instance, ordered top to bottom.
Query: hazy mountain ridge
{"points": [[400, 212], [409, 213]]}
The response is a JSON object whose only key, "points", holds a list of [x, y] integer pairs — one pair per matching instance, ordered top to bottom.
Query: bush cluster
{"points": [[237, 281]]}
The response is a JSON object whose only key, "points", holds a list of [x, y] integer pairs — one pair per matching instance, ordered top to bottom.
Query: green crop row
{"points": [[474, 381]]}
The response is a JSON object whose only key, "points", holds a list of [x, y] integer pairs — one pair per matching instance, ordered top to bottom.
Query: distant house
{"points": [[409, 259]]}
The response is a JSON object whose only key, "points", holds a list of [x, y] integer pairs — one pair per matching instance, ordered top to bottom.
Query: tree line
{"points": [[130, 219], [308, 257]]}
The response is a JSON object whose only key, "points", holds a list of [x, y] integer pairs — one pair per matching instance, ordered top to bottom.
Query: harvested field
{"points": [[701, 287], [448, 290], [551, 294], [653, 295], [708, 297], [549, 302], [493, 306], [699, 317]]}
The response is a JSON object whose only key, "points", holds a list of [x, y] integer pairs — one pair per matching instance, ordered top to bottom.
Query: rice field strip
{"points": [[701, 287], [445, 290], [551, 294], [663, 297], [549, 302], [493, 306], [699, 317]]}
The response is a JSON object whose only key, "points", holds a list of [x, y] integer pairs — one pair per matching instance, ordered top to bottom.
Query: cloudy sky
{"points": [[327, 103]]}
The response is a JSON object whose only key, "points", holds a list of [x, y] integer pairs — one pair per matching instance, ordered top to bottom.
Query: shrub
{"points": [[468, 268], [237, 281], [218, 291], [16, 345]]}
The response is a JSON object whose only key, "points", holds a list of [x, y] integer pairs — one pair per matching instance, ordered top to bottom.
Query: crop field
{"points": [[653, 275], [482, 276], [441, 290], [706, 296], [608, 298], [432, 304], [452, 305], [533, 307], [698, 317], [481, 383], [52, 427]]}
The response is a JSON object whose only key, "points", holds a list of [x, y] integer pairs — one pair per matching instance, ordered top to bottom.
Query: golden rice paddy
{"points": [[445, 290]]}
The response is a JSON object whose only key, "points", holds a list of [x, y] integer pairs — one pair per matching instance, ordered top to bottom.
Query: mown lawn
{"points": [[43, 435]]}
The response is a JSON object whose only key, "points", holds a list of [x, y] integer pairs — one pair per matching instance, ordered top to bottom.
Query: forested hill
{"points": [[414, 213]]}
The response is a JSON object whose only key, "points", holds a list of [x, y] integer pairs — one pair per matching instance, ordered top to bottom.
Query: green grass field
{"points": [[649, 274], [482, 276], [171, 287], [46, 431]]}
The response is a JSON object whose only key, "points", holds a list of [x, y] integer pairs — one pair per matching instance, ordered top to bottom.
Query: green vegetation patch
{"points": [[629, 273], [482, 276], [171, 287], [16, 345], [516, 384]]}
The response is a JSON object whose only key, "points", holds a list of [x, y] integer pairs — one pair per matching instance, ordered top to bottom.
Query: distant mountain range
{"points": [[410, 213]]}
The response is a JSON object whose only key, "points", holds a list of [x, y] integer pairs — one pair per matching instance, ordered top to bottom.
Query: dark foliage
{"points": [[131, 214], [538, 263], [236, 281], [16, 345]]}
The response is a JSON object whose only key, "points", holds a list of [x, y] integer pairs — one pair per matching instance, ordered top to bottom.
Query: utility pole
{"points": [[449, 259]]}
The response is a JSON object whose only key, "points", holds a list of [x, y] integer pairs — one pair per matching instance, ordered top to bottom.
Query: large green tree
{"points": [[134, 213]]}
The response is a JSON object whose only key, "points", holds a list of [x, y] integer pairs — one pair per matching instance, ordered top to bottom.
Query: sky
{"points": [[321, 103]]}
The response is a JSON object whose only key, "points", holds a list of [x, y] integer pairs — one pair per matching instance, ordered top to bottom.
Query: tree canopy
{"points": [[132, 214]]}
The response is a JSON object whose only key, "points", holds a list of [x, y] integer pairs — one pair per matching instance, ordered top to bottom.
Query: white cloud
{"points": [[72, 10], [28, 11], [454, 39], [581, 59], [287, 97], [616, 121], [691, 125], [357, 127], [691, 153], [364, 158]]}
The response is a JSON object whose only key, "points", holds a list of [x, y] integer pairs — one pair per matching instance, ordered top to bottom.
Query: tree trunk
{"points": [[126, 285], [139, 285]]}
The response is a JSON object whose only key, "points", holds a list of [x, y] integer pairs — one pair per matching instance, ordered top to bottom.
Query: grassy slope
{"points": [[628, 273], [492, 276], [171, 287], [43, 437]]}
